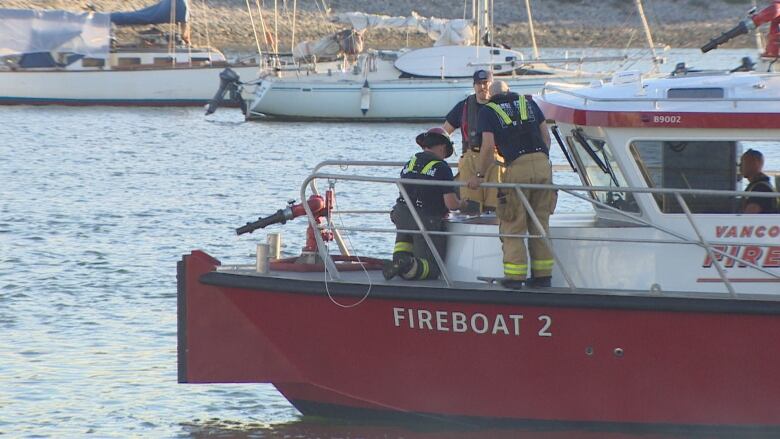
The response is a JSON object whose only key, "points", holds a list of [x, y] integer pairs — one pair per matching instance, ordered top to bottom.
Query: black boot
{"points": [[401, 263], [540, 282], [512, 284]]}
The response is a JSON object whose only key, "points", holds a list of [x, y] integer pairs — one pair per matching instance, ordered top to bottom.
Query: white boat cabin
{"points": [[687, 133]]}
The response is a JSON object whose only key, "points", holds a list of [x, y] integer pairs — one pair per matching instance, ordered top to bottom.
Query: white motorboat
{"points": [[60, 57]]}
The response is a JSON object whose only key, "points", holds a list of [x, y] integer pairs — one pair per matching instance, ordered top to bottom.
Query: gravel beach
{"points": [[558, 23]]}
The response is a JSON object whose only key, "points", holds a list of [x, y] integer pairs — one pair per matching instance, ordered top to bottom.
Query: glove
{"points": [[470, 207]]}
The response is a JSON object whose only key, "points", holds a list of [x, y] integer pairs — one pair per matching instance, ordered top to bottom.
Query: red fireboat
{"points": [[664, 309]]}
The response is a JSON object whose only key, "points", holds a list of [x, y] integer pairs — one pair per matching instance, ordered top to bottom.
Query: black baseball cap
{"points": [[482, 75]]}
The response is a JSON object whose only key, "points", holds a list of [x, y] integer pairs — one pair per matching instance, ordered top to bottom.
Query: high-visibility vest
{"points": [[522, 105]]}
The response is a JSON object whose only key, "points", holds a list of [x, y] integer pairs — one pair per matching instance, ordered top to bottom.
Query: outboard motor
{"points": [[229, 82]]}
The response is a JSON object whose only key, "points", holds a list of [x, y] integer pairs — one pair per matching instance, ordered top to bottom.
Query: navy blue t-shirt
{"points": [[455, 115], [469, 135], [519, 137], [762, 184], [429, 199]]}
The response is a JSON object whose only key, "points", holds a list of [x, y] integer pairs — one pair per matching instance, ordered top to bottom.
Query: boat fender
{"points": [[365, 97]]}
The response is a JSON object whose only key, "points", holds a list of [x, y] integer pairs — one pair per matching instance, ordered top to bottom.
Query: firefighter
{"points": [[464, 116], [516, 126], [751, 166], [412, 258]]}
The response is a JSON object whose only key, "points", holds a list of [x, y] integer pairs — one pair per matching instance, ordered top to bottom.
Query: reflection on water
{"points": [[308, 428]]}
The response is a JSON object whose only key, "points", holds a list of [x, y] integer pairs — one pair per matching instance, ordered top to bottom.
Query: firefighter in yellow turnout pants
{"points": [[464, 116], [515, 125]]}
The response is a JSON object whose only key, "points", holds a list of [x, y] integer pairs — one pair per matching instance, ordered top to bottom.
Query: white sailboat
{"points": [[61, 57], [418, 84]]}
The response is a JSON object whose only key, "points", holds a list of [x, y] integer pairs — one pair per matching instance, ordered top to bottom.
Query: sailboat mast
{"points": [[485, 16], [276, 27], [531, 28], [172, 34], [648, 35], [292, 42]]}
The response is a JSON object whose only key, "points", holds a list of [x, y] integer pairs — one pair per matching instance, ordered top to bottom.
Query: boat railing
{"points": [[569, 89], [714, 253]]}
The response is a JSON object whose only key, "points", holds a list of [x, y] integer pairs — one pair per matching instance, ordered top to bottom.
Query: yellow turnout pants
{"points": [[467, 168], [513, 218]]}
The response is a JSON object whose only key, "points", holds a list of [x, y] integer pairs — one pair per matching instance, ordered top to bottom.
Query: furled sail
{"points": [[154, 14], [31, 31], [456, 32], [345, 42]]}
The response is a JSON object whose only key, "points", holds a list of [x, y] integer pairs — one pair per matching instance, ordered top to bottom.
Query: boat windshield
{"points": [[596, 158]]}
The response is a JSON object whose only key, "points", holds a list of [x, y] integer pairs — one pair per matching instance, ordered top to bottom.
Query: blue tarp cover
{"points": [[155, 14], [41, 31]]}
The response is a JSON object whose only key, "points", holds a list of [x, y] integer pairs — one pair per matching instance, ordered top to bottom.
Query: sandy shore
{"points": [[558, 23]]}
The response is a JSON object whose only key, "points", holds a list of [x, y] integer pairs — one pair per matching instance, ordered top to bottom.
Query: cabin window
{"points": [[163, 60], [128, 61], [93, 62], [695, 93], [596, 158], [683, 164]]}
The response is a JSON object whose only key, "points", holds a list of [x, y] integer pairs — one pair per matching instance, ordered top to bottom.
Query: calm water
{"points": [[96, 207]]}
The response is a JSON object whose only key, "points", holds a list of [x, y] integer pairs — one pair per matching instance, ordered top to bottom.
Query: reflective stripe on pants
{"points": [[528, 168]]}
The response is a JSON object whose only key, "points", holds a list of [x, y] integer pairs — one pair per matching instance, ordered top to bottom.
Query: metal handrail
{"points": [[566, 89], [570, 189], [649, 190], [531, 236]]}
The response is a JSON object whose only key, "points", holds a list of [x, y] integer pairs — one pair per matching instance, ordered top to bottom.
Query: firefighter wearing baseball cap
{"points": [[464, 116], [516, 126], [412, 259]]}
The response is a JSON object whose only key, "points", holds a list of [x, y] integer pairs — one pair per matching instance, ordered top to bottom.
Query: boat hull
{"points": [[143, 87], [386, 100], [483, 354]]}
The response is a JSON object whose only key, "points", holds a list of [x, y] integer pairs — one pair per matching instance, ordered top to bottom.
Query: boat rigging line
{"points": [[254, 29], [330, 226]]}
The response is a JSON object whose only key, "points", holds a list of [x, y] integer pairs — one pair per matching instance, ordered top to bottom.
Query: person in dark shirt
{"points": [[464, 116], [516, 126], [751, 166], [412, 258]]}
